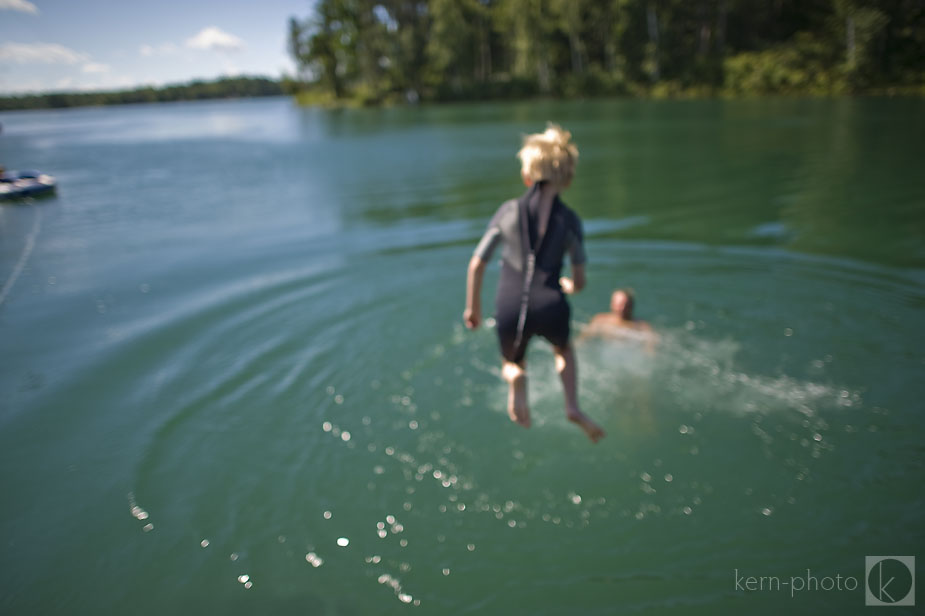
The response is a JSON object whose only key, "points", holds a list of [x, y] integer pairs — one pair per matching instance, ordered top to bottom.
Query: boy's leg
{"points": [[567, 368], [517, 407]]}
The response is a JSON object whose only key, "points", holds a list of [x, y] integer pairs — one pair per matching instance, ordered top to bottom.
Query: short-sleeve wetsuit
{"points": [[548, 312]]}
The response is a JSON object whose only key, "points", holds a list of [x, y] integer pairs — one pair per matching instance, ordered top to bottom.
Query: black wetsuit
{"points": [[547, 312]]}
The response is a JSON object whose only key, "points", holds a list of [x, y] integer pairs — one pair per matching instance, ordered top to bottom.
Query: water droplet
{"points": [[788, 332], [330, 390], [338, 399], [413, 424], [326, 426], [345, 436], [669, 478], [576, 499], [687, 510], [767, 511], [327, 515], [390, 519], [148, 528], [343, 542], [204, 543], [403, 543], [471, 547], [314, 559], [446, 571], [243, 578], [248, 585], [405, 598]]}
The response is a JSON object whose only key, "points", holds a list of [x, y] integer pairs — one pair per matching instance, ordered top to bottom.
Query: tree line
{"points": [[375, 51], [229, 87]]}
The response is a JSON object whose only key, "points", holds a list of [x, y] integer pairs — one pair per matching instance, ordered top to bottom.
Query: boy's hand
{"points": [[568, 287], [472, 318]]}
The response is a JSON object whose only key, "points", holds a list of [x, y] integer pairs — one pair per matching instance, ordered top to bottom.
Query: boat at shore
{"points": [[25, 184]]}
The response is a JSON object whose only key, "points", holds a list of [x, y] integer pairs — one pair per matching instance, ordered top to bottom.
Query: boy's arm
{"points": [[577, 257], [578, 277], [576, 283], [473, 313]]}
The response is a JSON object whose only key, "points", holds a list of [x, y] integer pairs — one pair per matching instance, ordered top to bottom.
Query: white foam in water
{"points": [[703, 373], [698, 374]]}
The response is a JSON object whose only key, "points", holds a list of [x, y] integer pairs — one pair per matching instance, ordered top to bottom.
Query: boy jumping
{"points": [[536, 231]]}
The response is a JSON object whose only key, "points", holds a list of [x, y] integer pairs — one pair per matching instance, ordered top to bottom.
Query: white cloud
{"points": [[24, 6], [215, 39], [164, 49], [40, 53], [95, 67], [230, 69], [110, 82], [19, 86]]}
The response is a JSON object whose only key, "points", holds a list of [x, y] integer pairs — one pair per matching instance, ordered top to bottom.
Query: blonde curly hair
{"points": [[549, 156]]}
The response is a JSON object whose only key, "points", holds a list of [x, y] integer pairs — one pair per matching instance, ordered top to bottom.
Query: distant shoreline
{"points": [[263, 87], [224, 88], [314, 98]]}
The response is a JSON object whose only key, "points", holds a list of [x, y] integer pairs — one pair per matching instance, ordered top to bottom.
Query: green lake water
{"points": [[232, 346]]}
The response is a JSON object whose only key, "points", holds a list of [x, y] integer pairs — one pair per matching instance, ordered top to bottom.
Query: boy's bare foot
{"points": [[517, 408], [594, 431]]}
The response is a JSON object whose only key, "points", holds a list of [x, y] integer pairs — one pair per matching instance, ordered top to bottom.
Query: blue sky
{"points": [[54, 45]]}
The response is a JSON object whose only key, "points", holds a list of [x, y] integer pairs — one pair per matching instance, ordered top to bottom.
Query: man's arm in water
{"points": [[473, 313], [597, 326]]}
